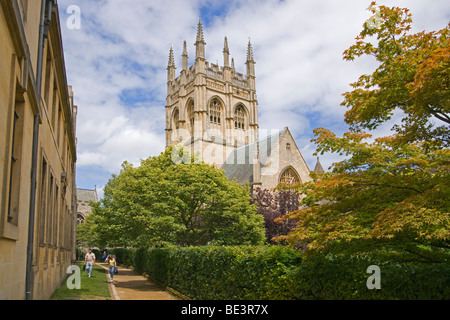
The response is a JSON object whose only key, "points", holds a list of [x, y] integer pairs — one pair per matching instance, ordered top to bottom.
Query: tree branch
{"points": [[441, 116], [388, 186], [427, 258]]}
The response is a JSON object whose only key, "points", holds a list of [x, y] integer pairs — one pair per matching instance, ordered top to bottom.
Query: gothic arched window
{"points": [[215, 112], [191, 116], [239, 117], [176, 118], [289, 177], [80, 219]]}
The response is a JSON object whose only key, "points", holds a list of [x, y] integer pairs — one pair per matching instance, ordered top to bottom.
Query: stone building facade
{"points": [[213, 110], [37, 152], [279, 161], [84, 198]]}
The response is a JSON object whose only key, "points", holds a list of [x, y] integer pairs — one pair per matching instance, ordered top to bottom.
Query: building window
{"points": [[48, 73], [54, 105], [215, 112], [191, 117], [239, 118], [176, 119], [58, 127], [16, 152], [289, 177], [43, 202], [50, 209], [61, 219], [80, 219], [56, 221]]}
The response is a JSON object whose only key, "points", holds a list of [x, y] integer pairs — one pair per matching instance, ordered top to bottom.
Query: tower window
{"points": [[215, 111], [191, 117], [176, 118], [239, 118]]}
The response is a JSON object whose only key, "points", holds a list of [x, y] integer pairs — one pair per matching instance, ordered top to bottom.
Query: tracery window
{"points": [[215, 112], [239, 117], [289, 177], [80, 219]]}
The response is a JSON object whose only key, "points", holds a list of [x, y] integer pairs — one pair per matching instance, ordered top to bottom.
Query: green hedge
{"points": [[218, 273], [221, 273], [278, 273], [336, 278]]}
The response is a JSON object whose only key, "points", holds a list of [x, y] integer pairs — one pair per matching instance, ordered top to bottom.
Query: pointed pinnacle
{"points": [[200, 37], [225, 46], [185, 49], [249, 52], [171, 58], [319, 167]]}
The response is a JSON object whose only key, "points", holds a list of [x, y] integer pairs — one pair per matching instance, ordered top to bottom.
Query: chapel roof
{"points": [[239, 163]]}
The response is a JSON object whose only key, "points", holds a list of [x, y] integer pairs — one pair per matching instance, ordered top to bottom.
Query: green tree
{"points": [[391, 193], [384, 196], [163, 202], [85, 234]]}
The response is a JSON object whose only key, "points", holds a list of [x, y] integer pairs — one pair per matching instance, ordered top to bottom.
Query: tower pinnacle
{"points": [[200, 37], [200, 43], [250, 52], [226, 53], [185, 56], [171, 58], [250, 63], [171, 66]]}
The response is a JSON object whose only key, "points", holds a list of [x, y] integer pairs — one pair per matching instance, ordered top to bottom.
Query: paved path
{"points": [[130, 285]]}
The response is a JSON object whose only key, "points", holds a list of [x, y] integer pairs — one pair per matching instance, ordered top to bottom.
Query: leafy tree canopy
{"points": [[412, 76], [391, 194], [384, 196], [175, 199]]}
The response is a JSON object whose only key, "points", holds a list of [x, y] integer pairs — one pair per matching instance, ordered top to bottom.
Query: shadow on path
{"points": [[130, 285]]}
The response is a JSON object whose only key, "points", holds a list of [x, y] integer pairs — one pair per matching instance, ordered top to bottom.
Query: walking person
{"points": [[89, 261], [112, 264]]}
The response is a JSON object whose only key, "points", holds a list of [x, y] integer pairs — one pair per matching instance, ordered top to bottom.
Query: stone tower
{"points": [[211, 109]]}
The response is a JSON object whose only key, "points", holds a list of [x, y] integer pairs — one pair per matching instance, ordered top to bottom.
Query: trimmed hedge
{"points": [[218, 273], [223, 273], [278, 273], [345, 277]]}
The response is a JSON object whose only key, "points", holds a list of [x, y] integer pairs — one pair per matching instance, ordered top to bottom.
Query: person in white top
{"points": [[89, 261]]}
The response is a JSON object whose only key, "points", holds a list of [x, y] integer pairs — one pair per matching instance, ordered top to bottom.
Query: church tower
{"points": [[211, 109]]}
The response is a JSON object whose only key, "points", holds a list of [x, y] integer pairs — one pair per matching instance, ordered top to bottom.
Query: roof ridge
{"points": [[279, 133]]}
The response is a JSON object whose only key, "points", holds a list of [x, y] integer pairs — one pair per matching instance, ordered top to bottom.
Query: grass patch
{"points": [[93, 288]]}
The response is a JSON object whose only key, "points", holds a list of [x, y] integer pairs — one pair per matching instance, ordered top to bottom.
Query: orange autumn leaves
{"points": [[412, 76]]}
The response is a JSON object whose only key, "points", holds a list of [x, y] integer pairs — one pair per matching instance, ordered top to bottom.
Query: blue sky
{"points": [[116, 64]]}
